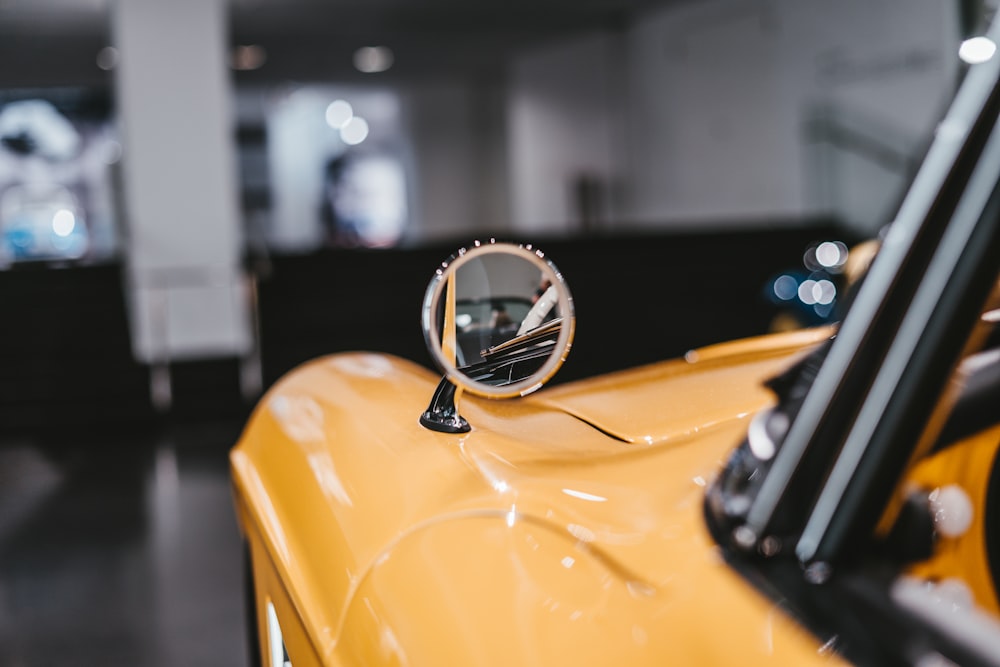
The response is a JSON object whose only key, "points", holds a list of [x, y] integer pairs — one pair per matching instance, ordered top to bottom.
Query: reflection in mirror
{"points": [[502, 319]]}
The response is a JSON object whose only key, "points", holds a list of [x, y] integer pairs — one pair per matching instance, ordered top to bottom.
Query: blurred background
{"points": [[198, 195]]}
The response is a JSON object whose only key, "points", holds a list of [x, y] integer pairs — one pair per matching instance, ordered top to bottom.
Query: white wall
{"points": [[885, 71], [724, 89], [715, 97], [564, 120], [709, 138], [457, 160], [184, 237]]}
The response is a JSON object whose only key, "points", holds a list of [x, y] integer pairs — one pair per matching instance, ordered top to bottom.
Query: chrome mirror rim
{"points": [[564, 302]]}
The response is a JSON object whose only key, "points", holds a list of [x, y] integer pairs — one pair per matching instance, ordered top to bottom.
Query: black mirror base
{"points": [[442, 415], [455, 424]]}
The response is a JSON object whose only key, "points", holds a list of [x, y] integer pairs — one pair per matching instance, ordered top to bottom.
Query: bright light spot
{"points": [[977, 50], [248, 57], [107, 58], [372, 59], [338, 114], [949, 130], [354, 131], [370, 199], [63, 222], [830, 254], [785, 287], [824, 292], [806, 293], [463, 320], [760, 442], [700, 481], [501, 486], [584, 496], [952, 510], [511, 517], [581, 533], [567, 562], [639, 590], [955, 594], [275, 641]]}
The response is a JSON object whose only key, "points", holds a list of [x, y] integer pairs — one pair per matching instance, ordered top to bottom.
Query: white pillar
{"points": [[183, 236]]}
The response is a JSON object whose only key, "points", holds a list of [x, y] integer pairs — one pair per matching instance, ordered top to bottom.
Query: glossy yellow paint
{"points": [[966, 464], [565, 528]]}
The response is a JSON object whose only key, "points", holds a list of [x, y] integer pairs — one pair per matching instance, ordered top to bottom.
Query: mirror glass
{"points": [[498, 319]]}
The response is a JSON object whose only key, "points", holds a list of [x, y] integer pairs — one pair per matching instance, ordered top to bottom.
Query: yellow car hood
{"points": [[666, 401], [565, 528]]}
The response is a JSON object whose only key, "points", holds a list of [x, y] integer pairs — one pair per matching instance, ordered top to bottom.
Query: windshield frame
{"points": [[934, 248], [803, 524]]}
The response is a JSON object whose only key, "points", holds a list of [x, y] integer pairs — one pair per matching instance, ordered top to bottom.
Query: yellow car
{"points": [[813, 497]]}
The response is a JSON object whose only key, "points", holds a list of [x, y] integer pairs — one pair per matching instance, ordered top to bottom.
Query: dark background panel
{"points": [[638, 299], [65, 354]]}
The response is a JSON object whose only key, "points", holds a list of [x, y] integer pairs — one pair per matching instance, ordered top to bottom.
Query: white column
{"points": [[183, 236]]}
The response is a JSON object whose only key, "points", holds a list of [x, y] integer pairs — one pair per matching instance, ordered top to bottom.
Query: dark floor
{"points": [[122, 551]]}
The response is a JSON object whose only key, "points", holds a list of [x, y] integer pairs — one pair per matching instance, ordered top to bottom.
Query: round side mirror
{"points": [[498, 319]]}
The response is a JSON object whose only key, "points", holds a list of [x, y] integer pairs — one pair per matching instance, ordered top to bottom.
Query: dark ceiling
{"points": [[54, 42]]}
